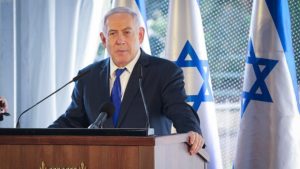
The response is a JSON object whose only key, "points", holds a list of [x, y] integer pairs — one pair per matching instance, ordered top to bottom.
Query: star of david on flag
{"points": [[186, 47], [259, 91], [205, 93], [270, 123]]}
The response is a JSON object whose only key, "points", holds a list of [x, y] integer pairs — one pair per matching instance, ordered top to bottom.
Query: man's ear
{"points": [[141, 34], [103, 39]]}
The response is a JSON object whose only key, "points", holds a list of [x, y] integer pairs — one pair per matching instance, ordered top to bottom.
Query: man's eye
{"points": [[127, 32], [111, 33]]}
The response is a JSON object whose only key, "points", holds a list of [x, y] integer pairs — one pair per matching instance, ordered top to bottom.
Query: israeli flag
{"points": [[139, 7], [186, 47], [269, 135]]}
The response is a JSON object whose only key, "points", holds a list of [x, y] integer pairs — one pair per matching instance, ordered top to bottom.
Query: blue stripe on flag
{"points": [[141, 6], [280, 14]]}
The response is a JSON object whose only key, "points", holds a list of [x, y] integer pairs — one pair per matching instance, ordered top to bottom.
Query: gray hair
{"points": [[120, 10]]}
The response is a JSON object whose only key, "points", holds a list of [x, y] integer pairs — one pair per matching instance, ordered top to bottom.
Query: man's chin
{"points": [[121, 53], [121, 63]]}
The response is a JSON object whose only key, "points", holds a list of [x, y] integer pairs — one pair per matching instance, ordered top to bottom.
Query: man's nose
{"points": [[120, 40]]}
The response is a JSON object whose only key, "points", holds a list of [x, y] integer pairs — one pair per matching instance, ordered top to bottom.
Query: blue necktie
{"points": [[116, 95]]}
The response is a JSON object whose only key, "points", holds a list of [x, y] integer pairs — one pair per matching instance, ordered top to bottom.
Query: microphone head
{"points": [[80, 75], [108, 108], [3, 114]]}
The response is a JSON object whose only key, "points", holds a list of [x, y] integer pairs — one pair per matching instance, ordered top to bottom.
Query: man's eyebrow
{"points": [[127, 28], [114, 30]]}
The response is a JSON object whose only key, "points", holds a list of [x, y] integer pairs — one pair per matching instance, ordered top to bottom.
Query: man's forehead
{"points": [[118, 17], [120, 22], [118, 29]]}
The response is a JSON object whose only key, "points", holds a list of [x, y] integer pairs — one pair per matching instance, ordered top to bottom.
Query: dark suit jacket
{"points": [[164, 94]]}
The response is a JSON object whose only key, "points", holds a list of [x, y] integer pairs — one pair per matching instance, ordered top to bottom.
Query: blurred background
{"points": [[43, 44]]}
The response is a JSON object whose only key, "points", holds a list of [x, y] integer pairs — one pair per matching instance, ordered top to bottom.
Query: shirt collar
{"points": [[129, 67]]}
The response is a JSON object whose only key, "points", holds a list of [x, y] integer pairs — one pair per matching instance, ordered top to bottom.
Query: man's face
{"points": [[123, 38]]}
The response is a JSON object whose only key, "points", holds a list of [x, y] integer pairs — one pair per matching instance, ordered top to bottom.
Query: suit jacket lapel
{"points": [[104, 80], [104, 86], [132, 87], [130, 92]]}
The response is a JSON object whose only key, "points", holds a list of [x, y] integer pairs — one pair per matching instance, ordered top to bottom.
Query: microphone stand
{"points": [[73, 80], [18, 121], [150, 131]]}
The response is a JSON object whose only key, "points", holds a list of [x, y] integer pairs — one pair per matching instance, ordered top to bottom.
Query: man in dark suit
{"points": [[162, 83]]}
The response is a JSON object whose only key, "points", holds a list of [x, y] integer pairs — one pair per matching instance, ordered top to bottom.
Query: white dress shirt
{"points": [[124, 77]]}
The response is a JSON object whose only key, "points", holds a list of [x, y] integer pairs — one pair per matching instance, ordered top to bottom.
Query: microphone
{"points": [[73, 80], [143, 97], [106, 110], [3, 114], [150, 130]]}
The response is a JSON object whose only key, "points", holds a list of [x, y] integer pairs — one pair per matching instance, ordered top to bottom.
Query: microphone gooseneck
{"points": [[73, 80], [143, 97]]}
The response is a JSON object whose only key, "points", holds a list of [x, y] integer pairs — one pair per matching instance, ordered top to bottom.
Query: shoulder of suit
{"points": [[156, 61], [96, 65]]}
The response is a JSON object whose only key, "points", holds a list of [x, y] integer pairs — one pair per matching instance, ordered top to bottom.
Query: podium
{"points": [[94, 151]]}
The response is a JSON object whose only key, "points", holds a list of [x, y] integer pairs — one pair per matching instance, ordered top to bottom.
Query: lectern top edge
{"points": [[78, 131]]}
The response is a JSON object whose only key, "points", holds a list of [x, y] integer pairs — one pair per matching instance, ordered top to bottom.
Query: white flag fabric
{"points": [[139, 7], [186, 47], [269, 130]]}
